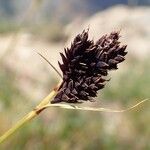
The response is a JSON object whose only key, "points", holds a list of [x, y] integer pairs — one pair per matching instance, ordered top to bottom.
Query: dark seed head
{"points": [[85, 64]]}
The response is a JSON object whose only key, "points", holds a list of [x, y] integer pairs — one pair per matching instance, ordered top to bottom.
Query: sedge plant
{"points": [[85, 67]]}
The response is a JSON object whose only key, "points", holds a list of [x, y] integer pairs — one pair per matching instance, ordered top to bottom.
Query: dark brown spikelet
{"points": [[85, 66]]}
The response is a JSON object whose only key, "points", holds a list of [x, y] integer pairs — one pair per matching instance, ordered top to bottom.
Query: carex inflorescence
{"points": [[85, 66]]}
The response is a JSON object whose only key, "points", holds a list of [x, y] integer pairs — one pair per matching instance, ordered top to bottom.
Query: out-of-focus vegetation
{"points": [[7, 27], [53, 32], [23, 83], [132, 84], [66, 129]]}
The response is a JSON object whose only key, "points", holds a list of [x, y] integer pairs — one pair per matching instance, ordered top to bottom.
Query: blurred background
{"points": [[47, 26]]}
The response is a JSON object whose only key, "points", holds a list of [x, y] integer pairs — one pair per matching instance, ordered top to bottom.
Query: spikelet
{"points": [[86, 65]]}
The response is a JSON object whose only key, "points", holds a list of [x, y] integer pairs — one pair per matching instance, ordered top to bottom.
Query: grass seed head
{"points": [[85, 66]]}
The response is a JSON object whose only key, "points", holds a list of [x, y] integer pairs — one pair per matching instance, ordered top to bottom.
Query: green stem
{"points": [[35, 112]]}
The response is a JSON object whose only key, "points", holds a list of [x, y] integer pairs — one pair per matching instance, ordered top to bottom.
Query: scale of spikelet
{"points": [[85, 66]]}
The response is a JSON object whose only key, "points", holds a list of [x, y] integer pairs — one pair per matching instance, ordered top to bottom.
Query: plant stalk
{"points": [[45, 103], [35, 112]]}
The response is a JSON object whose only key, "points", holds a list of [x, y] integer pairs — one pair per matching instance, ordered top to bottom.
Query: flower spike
{"points": [[85, 66]]}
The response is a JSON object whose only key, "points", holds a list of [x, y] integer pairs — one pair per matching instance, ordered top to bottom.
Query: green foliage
{"points": [[7, 27], [53, 32], [132, 84], [8, 91], [67, 129]]}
